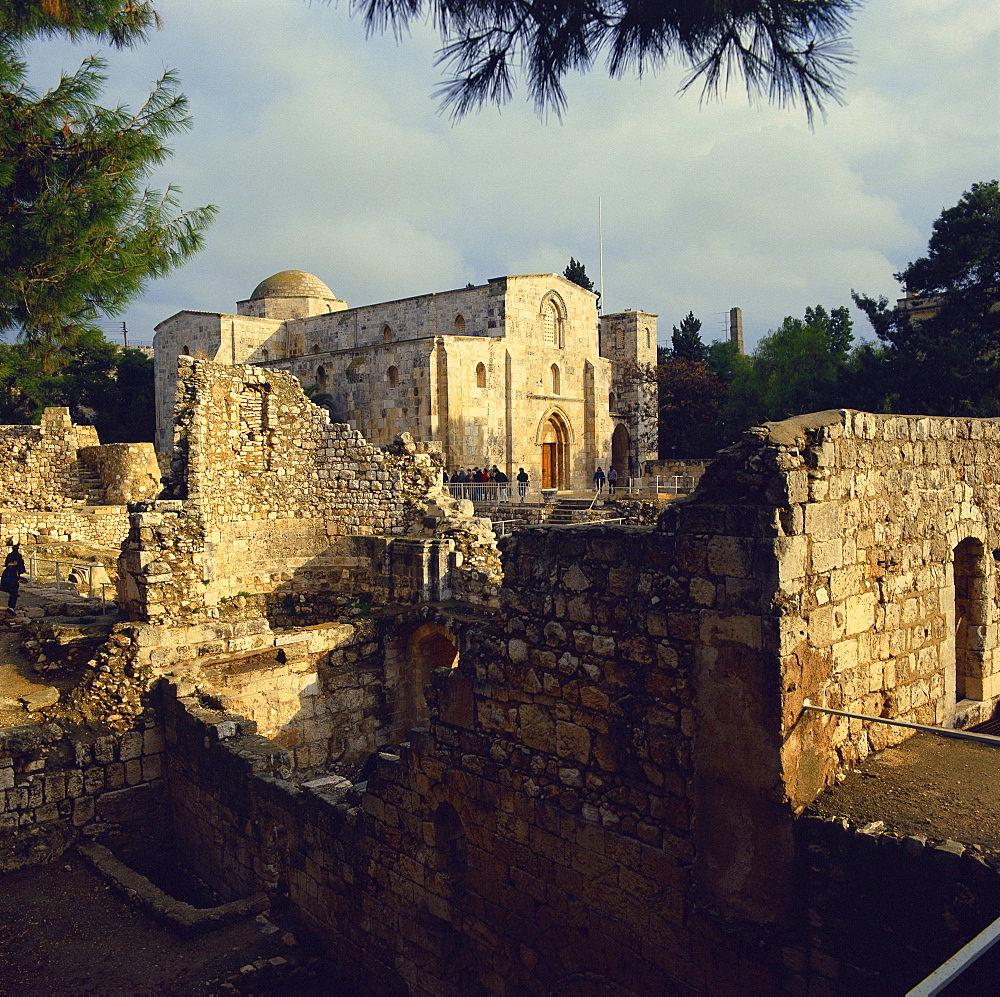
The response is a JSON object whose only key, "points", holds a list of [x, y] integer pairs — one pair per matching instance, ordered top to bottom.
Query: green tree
{"points": [[785, 50], [80, 235], [577, 273], [686, 340], [943, 341], [798, 368], [104, 385], [690, 400]]}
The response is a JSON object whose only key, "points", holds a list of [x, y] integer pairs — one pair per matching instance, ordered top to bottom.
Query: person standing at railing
{"points": [[612, 480], [502, 481], [598, 481], [522, 482], [10, 580]]}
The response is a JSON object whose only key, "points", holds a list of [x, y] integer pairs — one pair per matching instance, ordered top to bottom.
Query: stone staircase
{"points": [[90, 482], [568, 510]]}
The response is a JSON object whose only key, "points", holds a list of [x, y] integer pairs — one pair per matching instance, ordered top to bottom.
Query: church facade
{"points": [[517, 372]]}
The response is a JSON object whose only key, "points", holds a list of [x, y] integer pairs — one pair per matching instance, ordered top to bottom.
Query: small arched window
{"points": [[550, 321], [459, 325], [387, 336], [648, 339], [316, 348], [187, 350], [265, 355], [480, 375], [392, 376], [321, 377], [555, 378], [611, 401]]}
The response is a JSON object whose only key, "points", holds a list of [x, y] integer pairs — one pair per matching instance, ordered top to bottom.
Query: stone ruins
{"points": [[575, 760]]}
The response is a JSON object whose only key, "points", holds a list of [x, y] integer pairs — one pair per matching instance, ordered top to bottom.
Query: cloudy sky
{"points": [[325, 152]]}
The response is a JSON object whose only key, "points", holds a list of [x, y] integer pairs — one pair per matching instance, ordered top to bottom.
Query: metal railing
{"points": [[658, 484], [494, 492], [68, 576]]}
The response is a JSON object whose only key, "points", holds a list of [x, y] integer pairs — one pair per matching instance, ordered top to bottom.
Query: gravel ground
{"points": [[934, 786], [63, 930]]}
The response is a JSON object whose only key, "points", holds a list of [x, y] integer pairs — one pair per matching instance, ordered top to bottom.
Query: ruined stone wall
{"points": [[205, 336], [40, 466], [129, 472], [270, 491], [100, 526], [876, 612], [58, 782], [558, 798], [884, 910]]}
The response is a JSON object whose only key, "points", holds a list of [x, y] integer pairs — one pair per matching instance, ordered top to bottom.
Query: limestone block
{"points": [[792, 556], [716, 628]]}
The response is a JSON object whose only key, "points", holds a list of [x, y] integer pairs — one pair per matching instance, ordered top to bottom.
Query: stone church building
{"points": [[518, 372]]}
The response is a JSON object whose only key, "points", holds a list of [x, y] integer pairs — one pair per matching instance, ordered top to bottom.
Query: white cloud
{"points": [[324, 151]]}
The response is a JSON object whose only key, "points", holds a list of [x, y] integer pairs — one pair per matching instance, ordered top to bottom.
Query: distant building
{"points": [[517, 372]]}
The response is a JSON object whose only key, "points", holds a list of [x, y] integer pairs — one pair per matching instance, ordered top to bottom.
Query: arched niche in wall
{"points": [[972, 616], [429, 647]]}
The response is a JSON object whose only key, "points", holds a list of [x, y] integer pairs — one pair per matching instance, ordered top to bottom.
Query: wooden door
{"points": [[549, 465]]}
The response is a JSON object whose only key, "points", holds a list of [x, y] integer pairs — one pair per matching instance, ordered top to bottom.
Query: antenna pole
{"points": [[600, 239]]}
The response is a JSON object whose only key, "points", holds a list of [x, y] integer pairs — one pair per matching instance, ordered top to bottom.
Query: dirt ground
{"points": [[934, 786], [63, 930]]}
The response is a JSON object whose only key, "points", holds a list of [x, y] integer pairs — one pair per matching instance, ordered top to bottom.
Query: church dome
{"points": [[292, 284]]}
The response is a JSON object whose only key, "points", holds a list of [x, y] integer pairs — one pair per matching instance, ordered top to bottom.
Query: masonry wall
{"points": [[40, 465], [128, 471], [867, 513], [59, 782], [552, 826], [883, 911]]}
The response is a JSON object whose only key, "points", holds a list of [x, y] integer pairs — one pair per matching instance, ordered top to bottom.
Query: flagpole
{"points": [[600, 239]]}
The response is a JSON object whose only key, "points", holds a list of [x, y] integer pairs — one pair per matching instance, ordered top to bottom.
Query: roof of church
{"points": [[292, 284]]}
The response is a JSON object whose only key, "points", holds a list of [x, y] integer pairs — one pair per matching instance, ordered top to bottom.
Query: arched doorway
{"points": [[554, 440], [619, 451], [971, 617], [429, 647]]}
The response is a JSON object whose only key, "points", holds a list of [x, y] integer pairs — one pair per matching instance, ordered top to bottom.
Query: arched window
{"points": [[553, 313], [550, 321], [459, 325], [386, 334], [648, 339], [298, 344], [316, 348], [187, 350], [265, 355], [392, 375], [480, 375], [321, 377], [555, 378], [611, 401]]}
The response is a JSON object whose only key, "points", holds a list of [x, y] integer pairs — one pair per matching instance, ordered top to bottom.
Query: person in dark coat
{"points": [[598, 481], [522, 482], [10, 580]]}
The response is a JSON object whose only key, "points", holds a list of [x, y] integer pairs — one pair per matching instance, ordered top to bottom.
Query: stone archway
{"points": [[554, 441], [620, 446], [971, 617], [430, 646]]}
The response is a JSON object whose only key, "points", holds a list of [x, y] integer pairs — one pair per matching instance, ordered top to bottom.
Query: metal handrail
{"points": [[83, 566], [961, 735], [951, 970]]}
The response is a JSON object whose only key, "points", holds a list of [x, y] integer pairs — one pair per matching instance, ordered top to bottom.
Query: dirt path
{"points": [[17, 678], [929, 785], [64, 931]]}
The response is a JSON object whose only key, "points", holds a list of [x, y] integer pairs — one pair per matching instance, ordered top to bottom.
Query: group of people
{"points": [[611, 478], [472, 483]]}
